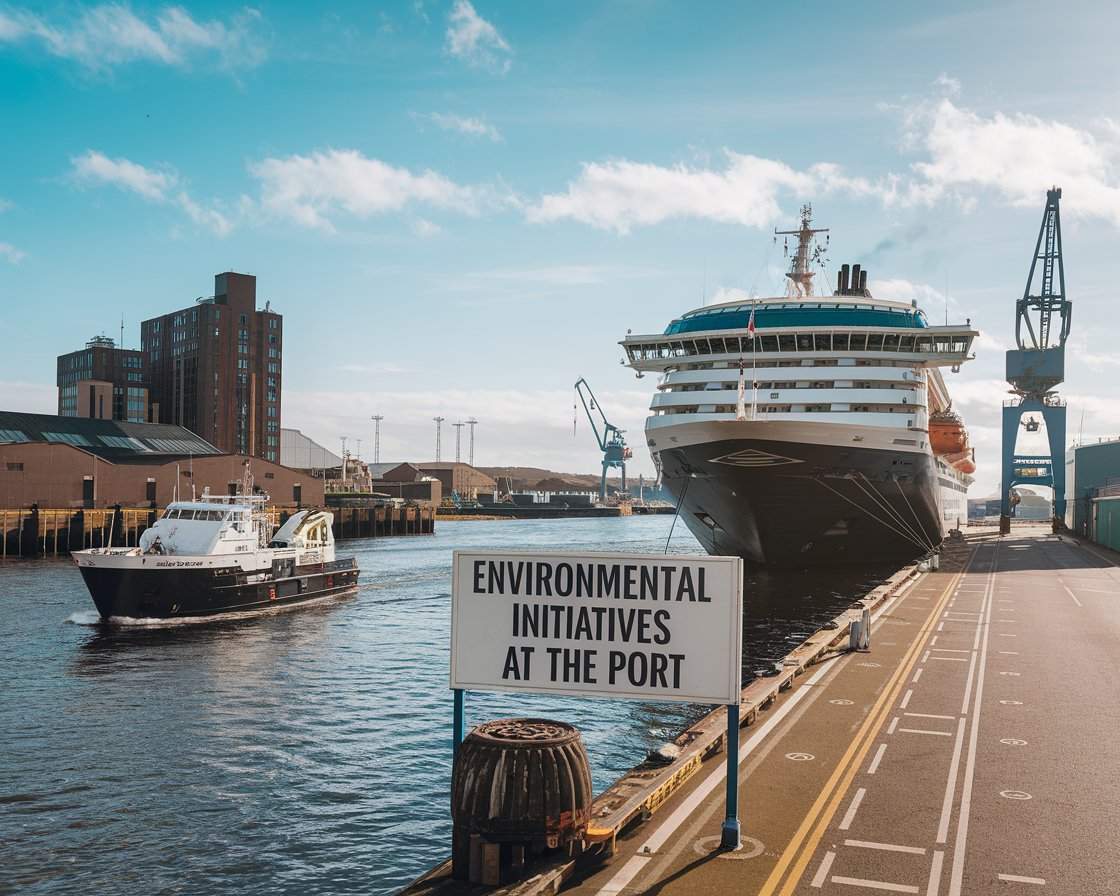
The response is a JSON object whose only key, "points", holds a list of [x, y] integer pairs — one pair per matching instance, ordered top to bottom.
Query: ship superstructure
{"points": [[796, 430]]}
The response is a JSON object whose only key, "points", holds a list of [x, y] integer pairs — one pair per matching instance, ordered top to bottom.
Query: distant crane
{"points": [[1035, 368], [439, 434], [458, 437], [611, 442]]}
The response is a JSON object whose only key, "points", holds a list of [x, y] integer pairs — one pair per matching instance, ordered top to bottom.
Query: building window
{"points": [[273, 324], [13, 465]]}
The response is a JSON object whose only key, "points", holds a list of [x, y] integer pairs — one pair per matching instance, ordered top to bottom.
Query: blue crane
{"points": [[1035, 368], [611, 442]]}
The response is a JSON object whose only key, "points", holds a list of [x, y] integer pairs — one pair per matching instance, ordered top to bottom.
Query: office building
{"points": [[215, 368], [103, 382]]}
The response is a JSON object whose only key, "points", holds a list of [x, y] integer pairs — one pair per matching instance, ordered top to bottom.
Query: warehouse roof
{"points": [[112, 440]]}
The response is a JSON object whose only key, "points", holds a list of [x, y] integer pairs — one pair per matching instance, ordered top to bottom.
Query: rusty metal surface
{"points": [[519, 781]]}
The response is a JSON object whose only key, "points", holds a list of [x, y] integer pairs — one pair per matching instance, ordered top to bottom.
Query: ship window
{"points": [[840, 341], [823, 342], [858, 342], [875, 342], [890, 342], [769, 343], [786, 343], [804, 343], [907, 344], [925, 344]]}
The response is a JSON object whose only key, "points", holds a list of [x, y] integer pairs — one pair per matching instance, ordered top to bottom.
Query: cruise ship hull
{"points": [[790, 495], [142, 592]]}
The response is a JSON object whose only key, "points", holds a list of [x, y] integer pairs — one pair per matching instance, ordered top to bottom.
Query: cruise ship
{"points": [[809, 429]]}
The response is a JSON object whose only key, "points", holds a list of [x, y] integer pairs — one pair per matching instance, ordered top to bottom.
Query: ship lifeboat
{"points": [[947, 434], [966, 464]]}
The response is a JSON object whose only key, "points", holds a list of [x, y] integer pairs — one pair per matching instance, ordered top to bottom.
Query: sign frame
{"points": [[728, 623]]}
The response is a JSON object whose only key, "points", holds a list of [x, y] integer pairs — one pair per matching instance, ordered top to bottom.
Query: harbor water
{"points": [[300, 752]]}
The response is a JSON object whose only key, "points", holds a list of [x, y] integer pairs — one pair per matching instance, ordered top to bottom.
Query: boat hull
{"points": [[785, 503], [141, 592]]}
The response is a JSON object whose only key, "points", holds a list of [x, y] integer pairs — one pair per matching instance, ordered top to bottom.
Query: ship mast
{"points": [[800, 277]]}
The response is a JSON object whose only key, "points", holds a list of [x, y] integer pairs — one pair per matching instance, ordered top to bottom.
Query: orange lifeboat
{"points": [[947, 434], [966, 464]]}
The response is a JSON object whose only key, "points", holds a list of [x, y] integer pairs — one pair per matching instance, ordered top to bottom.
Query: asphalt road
{"points": [[971, 751]]}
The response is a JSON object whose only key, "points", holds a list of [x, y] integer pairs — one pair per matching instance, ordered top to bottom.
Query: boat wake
{"points": [[232, 616], [84, 617]]}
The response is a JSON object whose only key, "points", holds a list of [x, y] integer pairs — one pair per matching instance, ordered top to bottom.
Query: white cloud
{"points": [[100, 37], [474, 40], [469, 127], [1017, 156], [162, 186], [310, 189], [621, 194], [6, 204], [425, 228], [11, 253], [729, 294]]}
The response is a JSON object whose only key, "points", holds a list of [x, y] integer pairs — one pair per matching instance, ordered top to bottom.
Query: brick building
{"points": [[215, 368], [103, 382], [72, 462]]}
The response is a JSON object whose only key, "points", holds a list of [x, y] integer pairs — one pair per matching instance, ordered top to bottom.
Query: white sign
{"points": [[639, 626]]}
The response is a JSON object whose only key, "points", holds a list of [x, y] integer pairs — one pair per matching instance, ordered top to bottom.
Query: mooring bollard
{"points": [[859, 632], [518, 784]]}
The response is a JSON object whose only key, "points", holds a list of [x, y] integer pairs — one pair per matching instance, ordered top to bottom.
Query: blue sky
{"points": [[461, 207]]}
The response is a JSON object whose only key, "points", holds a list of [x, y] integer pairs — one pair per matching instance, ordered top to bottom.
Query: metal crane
{"points": [[1035, 368], [611, 442]]}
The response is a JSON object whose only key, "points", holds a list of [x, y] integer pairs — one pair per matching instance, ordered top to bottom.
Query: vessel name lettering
{"points": [[178, 563], [617, 581], [584, 623]]}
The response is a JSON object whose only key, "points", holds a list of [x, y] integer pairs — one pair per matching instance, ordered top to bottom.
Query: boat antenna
{"points": [[800, 276]]}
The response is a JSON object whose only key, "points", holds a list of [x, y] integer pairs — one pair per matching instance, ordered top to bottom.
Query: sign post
{"points": [[653, 627]]}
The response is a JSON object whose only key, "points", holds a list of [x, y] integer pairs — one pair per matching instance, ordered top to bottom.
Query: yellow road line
{"points": [[833, 793]]}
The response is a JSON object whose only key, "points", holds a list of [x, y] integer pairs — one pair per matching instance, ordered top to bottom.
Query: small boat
{"points": [[218, 555]]}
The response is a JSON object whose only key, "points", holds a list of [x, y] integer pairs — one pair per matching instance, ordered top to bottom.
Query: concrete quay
{"points": [[971, 751]]}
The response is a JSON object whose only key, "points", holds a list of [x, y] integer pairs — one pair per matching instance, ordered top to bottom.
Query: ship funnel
{"points": [[842, 280], [855, 280], [863, 283]]}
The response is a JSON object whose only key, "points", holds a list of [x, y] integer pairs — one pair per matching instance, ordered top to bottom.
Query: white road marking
{"points": [[1094, 591], [1071, 594], [940, 626], [1006, 635], [933, 640], [950, 650], [1010, 652], [925, 657], [951, 659], [917, 675], [906, 700], [926, 715], [893, 725], [923, 731], [871, 769], [947, 805], [850, 815], [889, 847], [822, 872], [935, 873], [957, 874], [1018, 879], [874, 884]]}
